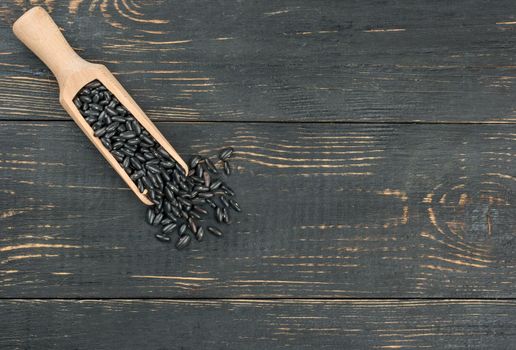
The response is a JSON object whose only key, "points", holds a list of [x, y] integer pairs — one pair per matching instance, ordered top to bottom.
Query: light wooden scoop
{"points": [[39, 33]]}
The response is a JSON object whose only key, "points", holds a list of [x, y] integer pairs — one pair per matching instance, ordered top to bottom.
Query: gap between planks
{"points": [[187, 121], [272, 299]]}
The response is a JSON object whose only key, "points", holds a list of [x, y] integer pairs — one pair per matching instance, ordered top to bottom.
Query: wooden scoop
{"points": [[39, 33]]}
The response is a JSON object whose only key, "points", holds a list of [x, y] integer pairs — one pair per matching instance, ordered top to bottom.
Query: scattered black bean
{"points": [[226, 153], [234, 204], [150, 216], [169, 228], [215, 231], [199, 235], [162, 237], [183, 242]]}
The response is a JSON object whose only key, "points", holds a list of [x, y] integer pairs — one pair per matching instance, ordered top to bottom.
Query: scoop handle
{"points": [[36, 29]]}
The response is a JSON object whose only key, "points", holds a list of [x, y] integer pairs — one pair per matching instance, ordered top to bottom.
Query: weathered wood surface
{"points": [[282, 60], [330, 211], [258, 324]]}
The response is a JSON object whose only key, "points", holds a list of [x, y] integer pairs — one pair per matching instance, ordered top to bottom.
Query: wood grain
{"points": [[411, 61], [334, 211], [258, 324]]}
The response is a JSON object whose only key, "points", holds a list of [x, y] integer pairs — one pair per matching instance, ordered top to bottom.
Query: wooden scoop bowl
{"points": [[40, 34]]}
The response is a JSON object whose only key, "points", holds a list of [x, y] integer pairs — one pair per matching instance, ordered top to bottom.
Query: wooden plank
{"points": [[283, 60], [329, 211], [257, 324]]}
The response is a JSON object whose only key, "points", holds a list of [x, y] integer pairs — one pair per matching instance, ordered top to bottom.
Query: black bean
{"points": [[94, 84], [95, 98], [85, 99], [77, 102], [96, 107], [109, 110], [121, 110], [90, 113], [117, 118], [91, 120], [112, 126], [136, 127], [100, 132], [128, 134], [146, 139], [106, 143], [118, 145], [127, 151], [164, 153], [226, 153], [118, 155], [148, 156], [140, 157], [194, 161], [126, 162], [136, 163], [167, 164], [210, 166], [152, 168], [227, 168], [179, 169], [199, 171], [137, 175], [164, 175], [207, 179], [156, 180], [147, 182], [139, 183], [215, 185], [172, 187], [228, 190], [169, 193], [198, 200], [184, 201], [224, 201], [211, 203], [234, 204], [199, 210], [176, 212], [194, 214], [218, 214], [225, 215], [150, 216], [171, 216], [157, 219], [166, 221], [192, 225], [168, 228], [182, 229], [215, 231], [199, 235], [162, 238], [183, 242]]}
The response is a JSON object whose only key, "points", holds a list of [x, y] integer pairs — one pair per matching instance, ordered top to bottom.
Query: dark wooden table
{"points": [[375, 164]]}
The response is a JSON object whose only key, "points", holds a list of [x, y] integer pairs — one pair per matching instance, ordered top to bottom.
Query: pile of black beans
{"points": [[181, 201]]}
